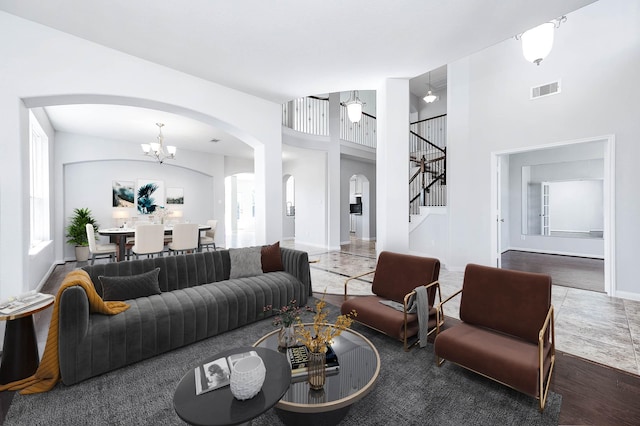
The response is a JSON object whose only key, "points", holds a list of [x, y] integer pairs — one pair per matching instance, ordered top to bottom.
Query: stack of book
{"points": [[23, 303], [299, 359]]}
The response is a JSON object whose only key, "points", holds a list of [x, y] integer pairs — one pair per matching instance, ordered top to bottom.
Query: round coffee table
{"points": [[359, 369], [219, 407]]}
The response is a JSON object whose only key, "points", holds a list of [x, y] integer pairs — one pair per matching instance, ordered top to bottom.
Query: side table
{"points": [[20, 358], [219, 407]]}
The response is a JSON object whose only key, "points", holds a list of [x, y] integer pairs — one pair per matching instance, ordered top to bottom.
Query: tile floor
{"points": [[588, 324]]}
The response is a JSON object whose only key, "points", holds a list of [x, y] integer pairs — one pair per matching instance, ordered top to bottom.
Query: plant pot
{"points": [[82, 253], [247, 377]]}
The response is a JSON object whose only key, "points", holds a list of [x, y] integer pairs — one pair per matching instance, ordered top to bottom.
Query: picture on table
{"points": [[122, 193], [175, 195], [150, 196], [212, 375]]}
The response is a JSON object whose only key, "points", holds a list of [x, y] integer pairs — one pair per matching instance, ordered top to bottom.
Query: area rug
{"points": [[411, 390]]}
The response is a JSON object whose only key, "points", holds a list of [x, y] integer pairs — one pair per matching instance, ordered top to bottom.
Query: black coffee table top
{"points": [[359, 369], [219, 407]]}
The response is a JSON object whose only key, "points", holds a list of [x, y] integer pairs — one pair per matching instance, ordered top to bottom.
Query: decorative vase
{"points": [[286, 337], [316, 370], [247, 377]]}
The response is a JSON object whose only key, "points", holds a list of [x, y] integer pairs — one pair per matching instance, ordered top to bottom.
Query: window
{"points": [[39, 182]]}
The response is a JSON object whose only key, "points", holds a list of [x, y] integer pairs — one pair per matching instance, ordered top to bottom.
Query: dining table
{"points": [[119, 236]]}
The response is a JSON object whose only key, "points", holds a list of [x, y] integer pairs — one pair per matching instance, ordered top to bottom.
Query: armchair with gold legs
{"points": [[389, 310], [506, 331]]}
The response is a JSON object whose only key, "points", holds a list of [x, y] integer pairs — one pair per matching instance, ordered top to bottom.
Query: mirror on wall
{"points": [[571, 208]]}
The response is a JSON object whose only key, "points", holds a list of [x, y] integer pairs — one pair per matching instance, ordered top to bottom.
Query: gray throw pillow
{"points": [[245, 262], [130, 286]]}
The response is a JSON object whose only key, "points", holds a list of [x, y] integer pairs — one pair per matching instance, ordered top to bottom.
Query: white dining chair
{"points": [[185, 237], [209, 237], [149, 239], [99, 249]]}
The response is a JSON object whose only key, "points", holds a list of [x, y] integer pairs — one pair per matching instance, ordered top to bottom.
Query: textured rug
{"points": [[411, 390]]}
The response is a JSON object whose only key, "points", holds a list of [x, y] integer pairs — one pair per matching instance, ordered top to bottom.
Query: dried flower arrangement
{"points": [[317, 337]]}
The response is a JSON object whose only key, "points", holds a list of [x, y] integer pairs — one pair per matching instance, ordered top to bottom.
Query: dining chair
{"points": [[185, 237], [209, 237], [149, 239], [99, 249]]}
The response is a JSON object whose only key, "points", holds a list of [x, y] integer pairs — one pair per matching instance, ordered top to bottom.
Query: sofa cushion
{"points": [[271, 258], [245, 262], [130, 287], [493, 297], [499, 356]]}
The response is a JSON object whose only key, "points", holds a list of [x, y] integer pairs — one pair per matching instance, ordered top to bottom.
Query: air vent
{"points": [[545, 90]]}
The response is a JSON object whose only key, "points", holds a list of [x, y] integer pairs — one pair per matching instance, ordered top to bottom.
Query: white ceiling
{"points": [[278, 50]]}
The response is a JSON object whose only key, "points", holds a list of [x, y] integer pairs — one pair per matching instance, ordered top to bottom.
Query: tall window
{"points": [[39, 182]]}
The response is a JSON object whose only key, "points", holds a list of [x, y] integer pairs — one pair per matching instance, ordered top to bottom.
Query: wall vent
{"points": [[545, 90]]}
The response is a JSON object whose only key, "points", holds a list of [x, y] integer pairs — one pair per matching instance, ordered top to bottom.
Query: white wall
{"points": [[42, 66], [490, 111], [309, 168]]}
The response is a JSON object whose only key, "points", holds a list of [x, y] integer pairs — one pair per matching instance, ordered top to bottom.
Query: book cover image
{"points": [[299, 358], [212, 375]]}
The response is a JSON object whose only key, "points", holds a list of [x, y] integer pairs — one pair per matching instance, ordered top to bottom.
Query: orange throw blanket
{"points": [[48, 373]]}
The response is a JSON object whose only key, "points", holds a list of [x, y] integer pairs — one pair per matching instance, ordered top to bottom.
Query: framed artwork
{"points": [[122, 193], [175, 195], [149, 196]]}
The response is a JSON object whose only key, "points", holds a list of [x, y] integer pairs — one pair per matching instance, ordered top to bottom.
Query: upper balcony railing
{"points": [[311, 115]]}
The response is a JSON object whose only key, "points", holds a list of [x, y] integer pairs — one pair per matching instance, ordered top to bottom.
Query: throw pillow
{"points": [[271, 258], [245, 262], [130, 286]]}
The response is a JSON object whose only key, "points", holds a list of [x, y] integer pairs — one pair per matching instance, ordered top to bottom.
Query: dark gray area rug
{"points": [[411, 390]]}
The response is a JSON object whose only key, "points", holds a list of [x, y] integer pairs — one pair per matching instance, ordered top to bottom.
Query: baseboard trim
{"points": [[627, 295]]}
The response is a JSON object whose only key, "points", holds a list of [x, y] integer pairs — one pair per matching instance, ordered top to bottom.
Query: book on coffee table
{"points": [[299, 359], [216, 374]]}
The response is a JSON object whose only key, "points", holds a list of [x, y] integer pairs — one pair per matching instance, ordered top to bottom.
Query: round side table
{"points": [[20, 357], [219, 407]]}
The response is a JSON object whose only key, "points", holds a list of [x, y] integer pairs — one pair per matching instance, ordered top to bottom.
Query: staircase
{"points": [[428, 164]]}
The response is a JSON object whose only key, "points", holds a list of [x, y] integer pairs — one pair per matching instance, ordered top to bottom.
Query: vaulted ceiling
{"points": [[281, 50]]}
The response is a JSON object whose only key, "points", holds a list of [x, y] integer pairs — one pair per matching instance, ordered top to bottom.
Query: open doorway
{"points": [[289, 199], [359, 207], [240, 210], [554, 212]]}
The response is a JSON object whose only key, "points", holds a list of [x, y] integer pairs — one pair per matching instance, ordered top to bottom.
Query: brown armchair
{"points": [[396, 277], [507, 329]]}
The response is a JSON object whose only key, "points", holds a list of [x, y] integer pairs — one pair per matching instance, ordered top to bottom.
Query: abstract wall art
{"points": [[150, 195]]}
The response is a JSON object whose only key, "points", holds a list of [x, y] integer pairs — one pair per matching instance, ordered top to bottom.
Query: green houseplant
{"points": [[77, 232]]}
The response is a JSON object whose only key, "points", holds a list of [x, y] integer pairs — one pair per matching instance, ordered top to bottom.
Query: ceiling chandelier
{"points": [[537, 42], [430, 98], [354, 107], [157, 149]]}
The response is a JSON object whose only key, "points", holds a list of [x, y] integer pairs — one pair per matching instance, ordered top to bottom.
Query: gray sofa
{"points": [[197, 301]]}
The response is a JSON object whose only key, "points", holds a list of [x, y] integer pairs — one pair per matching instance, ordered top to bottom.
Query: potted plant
{"points": [[77, 232]]}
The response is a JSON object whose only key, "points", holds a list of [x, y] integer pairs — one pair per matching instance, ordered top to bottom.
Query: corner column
{"points": [[392, 166]]}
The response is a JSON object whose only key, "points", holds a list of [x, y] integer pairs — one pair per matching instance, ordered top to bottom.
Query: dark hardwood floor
{"points": [[568, 271]]}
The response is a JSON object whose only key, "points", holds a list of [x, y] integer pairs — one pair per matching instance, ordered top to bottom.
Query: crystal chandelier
{"points": [[156, 149]]}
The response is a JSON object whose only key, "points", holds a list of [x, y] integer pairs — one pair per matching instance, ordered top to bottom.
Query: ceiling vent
{"points": [[545, 90]]}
